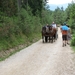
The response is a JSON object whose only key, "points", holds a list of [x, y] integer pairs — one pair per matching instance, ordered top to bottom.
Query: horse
{"points": [[44, 33], [52, 34]]}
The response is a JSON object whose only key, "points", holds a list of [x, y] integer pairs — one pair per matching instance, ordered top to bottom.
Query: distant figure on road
{"points": [[54, 25], [64, 29], [69, 33]]}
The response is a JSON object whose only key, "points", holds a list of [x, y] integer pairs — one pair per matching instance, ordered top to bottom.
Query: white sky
{"points": [[59, 1]]}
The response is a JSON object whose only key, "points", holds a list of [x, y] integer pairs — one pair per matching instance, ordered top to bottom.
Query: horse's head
{"points": [[50, 28], [44, 29]]}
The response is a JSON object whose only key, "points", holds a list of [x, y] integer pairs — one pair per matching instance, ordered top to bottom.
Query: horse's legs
{"points": [[56, 36], [42, 38], [46, 38], [49, 38], [52, 39]]}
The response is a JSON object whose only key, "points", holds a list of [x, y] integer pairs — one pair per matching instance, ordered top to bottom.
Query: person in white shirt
{"points": [[54, 25], [56, 29]]}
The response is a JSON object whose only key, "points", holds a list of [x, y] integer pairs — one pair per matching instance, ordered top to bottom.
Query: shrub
{"points": [[73, 40]]}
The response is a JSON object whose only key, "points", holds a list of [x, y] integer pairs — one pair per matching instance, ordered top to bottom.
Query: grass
{"points": [[15, 43], [73, 47]]}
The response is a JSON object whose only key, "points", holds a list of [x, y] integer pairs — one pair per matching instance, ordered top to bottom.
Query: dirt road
{"points": [[41, 59]]}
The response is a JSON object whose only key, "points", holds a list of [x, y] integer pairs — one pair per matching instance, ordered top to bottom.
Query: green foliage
{"points": [[37, 5], [9, 7], [59, 15], [47, 17], [71, 20], [28, 23], [8, 28], [12, 29], [73, 40]]}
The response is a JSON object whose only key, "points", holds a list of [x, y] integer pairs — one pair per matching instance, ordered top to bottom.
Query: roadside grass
{"points": [[73, 42], [6, 44], [73, 47], [8, 48]]}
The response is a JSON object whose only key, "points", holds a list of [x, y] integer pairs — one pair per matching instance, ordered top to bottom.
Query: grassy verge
{"points": [[73, 47], [8, 48]]}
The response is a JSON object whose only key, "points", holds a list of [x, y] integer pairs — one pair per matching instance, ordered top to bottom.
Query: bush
{"points": [[73, 41]]}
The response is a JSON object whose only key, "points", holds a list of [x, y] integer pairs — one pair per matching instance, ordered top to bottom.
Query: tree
{"points": [[9, 7]]}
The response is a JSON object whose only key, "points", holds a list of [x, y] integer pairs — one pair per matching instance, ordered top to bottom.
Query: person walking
{"points": [[54, 25], [64, 30], [69, 34]]}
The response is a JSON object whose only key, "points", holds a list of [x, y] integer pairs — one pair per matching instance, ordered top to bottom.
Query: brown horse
{"points": [[52, 34]]}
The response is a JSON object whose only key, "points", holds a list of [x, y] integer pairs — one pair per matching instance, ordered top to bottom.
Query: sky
{"points": [[56, 2]]}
